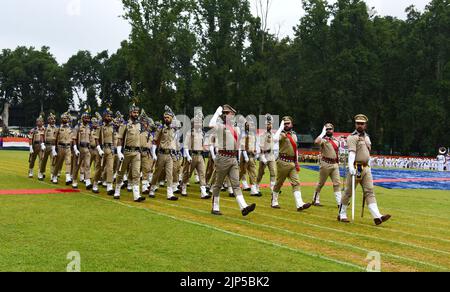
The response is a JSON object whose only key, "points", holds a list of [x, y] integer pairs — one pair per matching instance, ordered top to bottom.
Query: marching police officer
{"points": [[49, 140], [165, 142], [64, 143], [37, 147], [81, 147], [359, 147], [105, 148], [265, 150], [193, 151], [129, 153], [227, 159], [248, 159], [287, 165], [329, 165]]}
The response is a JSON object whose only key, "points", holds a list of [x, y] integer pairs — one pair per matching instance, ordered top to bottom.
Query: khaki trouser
{"points": [[37, 153], [47, 154], [64, 155], [132, 161], [177, 161], [164, 162], [198, 163], [85, 164], [146, 165], [272, 165], [227, 166], [250, 168], [286, 170], [329, 170], [209, 171], [107, 172], [366, 182]]}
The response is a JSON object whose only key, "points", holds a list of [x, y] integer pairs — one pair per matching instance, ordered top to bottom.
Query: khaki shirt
{"points": [[132, 131], [36, 134], [50, 134], [64, 134], [82, 134], [106, 134], [94, 135], [165, 138], [225, 138], [146, 140], [194, 141], [248, 143], [266, 143], [360, 144], [286, 146], [327, 149]]}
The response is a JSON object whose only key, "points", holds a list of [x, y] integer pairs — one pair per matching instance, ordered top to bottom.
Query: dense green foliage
{"points": [[343, 59]]}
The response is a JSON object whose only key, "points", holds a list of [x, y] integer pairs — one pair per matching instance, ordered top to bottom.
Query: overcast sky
{"points": [[67, 26]]}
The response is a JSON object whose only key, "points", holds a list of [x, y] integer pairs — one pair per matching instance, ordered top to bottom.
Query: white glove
{"points": [[216, 116], [324, 132], [278, 133], [43, 147], [31, 149], [75, 150], [100, 151], [54, 153], [244, 153], [120, 154], [187, 156], [155, 157], [263, 159], [351, 163]]}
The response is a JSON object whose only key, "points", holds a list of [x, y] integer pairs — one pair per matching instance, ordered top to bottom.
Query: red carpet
{"points": [[38, 192]]}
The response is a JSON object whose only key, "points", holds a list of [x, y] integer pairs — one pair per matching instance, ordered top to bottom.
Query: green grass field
{"points": [[38, 231]]}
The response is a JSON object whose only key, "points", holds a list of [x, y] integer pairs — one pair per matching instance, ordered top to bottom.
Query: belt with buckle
{"points": [[37, 143], [50, 144], [63, 145], [85, 145], [108, 145], [132, 149], [167, 152], [196, 152], [232, 154], [251, 155], [287, 158], [330, 160]]}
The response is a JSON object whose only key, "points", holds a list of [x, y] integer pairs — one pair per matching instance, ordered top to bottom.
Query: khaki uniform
{"points": [[106, 136], [37, 138], [82, 138], [49, 140], [165, 140], [64, 142], [194, 143], [249, 145], [266, 145], [362, 145], [131, 150], [147, 159], [226, 163], [286, 163], [329, 166]]}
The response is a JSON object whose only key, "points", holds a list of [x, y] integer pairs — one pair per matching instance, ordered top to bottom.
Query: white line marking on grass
{"points": [[230, 233], [357, 234], [312, 237]]}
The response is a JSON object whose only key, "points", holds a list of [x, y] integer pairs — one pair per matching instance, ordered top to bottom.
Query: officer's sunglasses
{"points": [[329, 129]]}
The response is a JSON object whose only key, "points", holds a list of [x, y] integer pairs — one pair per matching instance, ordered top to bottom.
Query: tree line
{"points": [[343, 59]]}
